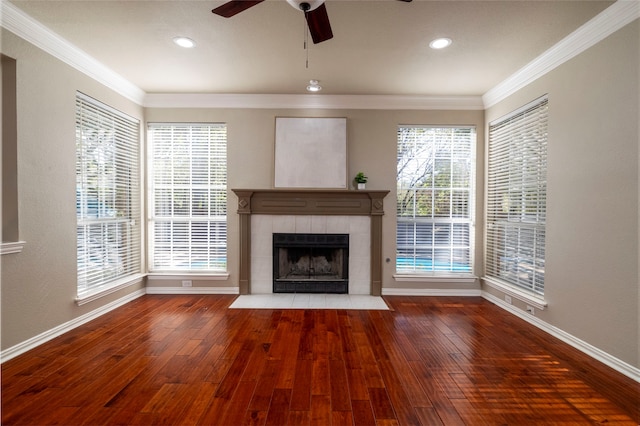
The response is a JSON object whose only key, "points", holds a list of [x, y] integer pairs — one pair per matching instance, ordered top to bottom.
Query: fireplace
{"points": [[326, 211], [310, 263]]}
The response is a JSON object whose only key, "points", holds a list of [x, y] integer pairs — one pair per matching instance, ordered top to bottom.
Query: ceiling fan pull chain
{"points": [[306, 40]]}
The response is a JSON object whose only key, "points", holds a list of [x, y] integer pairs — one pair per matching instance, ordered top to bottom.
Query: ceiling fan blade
{"points": [[407, 1], [234, 7], [319, 26]]}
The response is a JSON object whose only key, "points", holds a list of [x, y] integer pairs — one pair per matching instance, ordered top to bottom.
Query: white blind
{"points": [[435, 169], [107, 195], [188, 196], [516, 198]]}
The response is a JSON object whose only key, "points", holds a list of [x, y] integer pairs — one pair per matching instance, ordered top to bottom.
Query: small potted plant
{"points": [[361, 180]]}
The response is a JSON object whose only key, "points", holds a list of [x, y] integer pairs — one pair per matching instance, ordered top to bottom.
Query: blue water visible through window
{"points": [[416, 264]]}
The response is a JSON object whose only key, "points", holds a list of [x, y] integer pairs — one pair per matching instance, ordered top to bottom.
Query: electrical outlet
{"points": [[186, 283], [507, 298], [530, 310]]}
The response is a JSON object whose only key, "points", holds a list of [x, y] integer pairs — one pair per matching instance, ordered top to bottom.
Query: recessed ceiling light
{"points": [[185, 42], [440, 43], [314, 86]]}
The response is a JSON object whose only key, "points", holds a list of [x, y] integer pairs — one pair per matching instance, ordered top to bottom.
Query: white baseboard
{"points": [[193, 290], [431, 292], [41, 338], [605, 358]]}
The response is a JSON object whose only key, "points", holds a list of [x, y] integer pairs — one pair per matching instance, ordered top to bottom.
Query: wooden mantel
{"points": [[310, 202]]}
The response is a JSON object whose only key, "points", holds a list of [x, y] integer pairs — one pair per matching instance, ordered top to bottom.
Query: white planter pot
{"points": [[362, 185]]}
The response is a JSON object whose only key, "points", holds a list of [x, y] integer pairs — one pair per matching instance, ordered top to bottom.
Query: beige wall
{"points": [[592, 239], [591, 274], [39, 284]]}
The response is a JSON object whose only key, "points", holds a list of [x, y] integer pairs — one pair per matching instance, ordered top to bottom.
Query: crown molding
{"points": [[616, 16], [610, 20], [24, 26], [387, 102]]}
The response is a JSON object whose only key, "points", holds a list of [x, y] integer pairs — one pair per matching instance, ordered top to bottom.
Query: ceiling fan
{"points": [[315, 12]]}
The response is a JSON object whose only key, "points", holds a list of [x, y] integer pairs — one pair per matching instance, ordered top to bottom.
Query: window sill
{"points": [[12, 247], [210, 276], [447, 278], [104, 290], [535, 301]]}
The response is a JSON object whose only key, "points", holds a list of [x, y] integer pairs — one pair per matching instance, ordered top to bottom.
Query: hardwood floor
{"points": [[189, 360]]}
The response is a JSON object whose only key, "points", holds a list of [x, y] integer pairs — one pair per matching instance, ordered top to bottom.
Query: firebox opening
{"points": [[310, 263]]}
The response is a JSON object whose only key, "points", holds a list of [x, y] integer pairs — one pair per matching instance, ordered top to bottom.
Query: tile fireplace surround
{"points": [[293, 204]]}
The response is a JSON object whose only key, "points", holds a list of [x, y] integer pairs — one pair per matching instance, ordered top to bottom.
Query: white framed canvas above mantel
{"points": [[310, 153]]}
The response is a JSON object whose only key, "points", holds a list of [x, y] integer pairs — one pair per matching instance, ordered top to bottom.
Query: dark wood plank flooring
{"points": [[187, 360]]}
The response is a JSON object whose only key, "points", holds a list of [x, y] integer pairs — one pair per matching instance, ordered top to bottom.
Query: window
{"points": [[107, 196], [516, 198], [188, 205], [434, 205]]}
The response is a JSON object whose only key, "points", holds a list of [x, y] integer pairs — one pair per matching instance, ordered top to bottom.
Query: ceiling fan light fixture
{"points": [[305, 5], [185, 42], [440, 43], [314, 86]]}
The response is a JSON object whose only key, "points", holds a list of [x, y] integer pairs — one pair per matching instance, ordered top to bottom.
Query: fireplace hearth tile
{"points": [[309, 301]]}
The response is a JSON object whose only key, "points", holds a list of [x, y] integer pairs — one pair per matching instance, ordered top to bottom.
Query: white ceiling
{"points": [[379, 47]]}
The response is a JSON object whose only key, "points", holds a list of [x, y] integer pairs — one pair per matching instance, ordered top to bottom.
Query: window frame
{"points": [[171, 220], [468, 220]]}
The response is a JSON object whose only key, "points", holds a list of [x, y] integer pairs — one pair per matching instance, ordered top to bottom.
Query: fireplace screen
{"points": [[310, 263]]}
